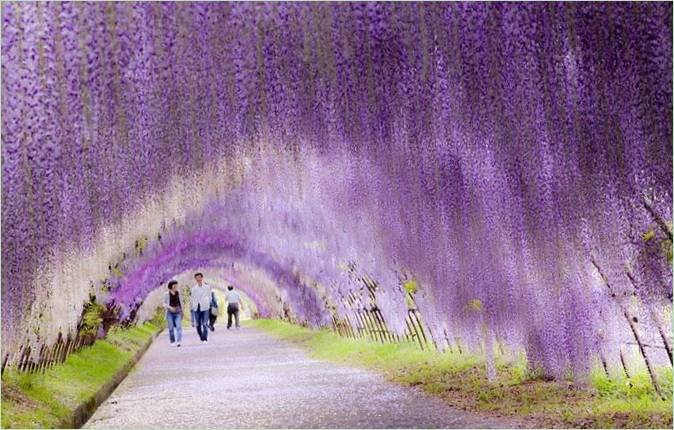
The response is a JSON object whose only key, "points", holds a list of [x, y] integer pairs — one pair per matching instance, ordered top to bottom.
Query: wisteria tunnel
{"points": [[505, 169]]}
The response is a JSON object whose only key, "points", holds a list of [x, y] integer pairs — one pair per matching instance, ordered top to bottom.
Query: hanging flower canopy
{"points": [[514, 160]]}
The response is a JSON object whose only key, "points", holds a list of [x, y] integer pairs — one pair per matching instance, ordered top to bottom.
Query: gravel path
{"points": [[246, 379]]}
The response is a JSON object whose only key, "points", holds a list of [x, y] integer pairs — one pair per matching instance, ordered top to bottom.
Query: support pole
{"points": [[631, 321], [665, 341]]}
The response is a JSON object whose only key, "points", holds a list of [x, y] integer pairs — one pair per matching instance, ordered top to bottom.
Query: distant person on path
{"points": [[201, 304], [233, 304], [174, 313], [213, 314], [193, 317]]}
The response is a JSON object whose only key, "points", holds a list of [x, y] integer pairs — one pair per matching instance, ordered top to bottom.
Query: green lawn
{"points": [[461, 381], [45, 400]]}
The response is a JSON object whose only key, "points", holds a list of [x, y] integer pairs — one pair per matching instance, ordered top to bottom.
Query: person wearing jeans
{"points": [[200, 299], [233, 304], [174, 313]]}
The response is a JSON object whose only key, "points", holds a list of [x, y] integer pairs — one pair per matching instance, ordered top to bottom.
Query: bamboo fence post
{"points": [[416, 310], [379, 318], [414, 318], [410, 323], [346, 324], [377, 324], [360, 327], [368, 328], [342, 329], [345, 329], [421, 329], [353, 330], [365, 330], [362, 331], [376, 335], [410, 335], [392, 337], [449, 344], [458, 345], [66, 348], [48, 351], [57, 352], [52, 354], [20, 355], [49, 356], [24, 358], [42, 359], [4, 363], [624, 363], [31, 364], [604, 364]]}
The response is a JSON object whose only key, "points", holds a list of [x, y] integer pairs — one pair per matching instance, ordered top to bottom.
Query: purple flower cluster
{"points": [[499, 154]]}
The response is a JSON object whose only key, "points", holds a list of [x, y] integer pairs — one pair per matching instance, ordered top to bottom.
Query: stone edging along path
{"points": [[84, 411]]}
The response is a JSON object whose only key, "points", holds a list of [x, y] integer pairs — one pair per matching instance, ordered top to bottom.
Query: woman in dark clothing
{"points": [[174, 313]]}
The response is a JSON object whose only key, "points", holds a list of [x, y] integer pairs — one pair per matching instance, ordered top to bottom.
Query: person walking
{"points": [[200, 299], [233, 305], [174, 313], [213, 314]]}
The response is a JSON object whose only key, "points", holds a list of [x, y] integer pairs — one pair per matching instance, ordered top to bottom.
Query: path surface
{"points": [[247, 379]]}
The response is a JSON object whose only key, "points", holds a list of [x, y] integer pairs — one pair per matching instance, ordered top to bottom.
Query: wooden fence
{"points": [[48, 356]]}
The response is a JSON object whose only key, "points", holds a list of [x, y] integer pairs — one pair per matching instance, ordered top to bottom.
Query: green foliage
{"points": [[650, 234], [140, 245], [411, 286], [474, 305], [159, 317], [92, 318], [638, 386]]}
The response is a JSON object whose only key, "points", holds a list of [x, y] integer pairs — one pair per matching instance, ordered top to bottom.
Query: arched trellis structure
{"points": [[513, 160], [186, 249]]}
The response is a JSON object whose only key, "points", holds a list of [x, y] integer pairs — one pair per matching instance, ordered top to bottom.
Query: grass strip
{"points": [[461, 380], [47, 400]]}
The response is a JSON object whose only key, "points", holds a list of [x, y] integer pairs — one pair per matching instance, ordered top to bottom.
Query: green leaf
{"points": [[650, 234], [411, 286], [475, 305]]}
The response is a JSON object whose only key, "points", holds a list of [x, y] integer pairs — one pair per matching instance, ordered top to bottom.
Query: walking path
{"points": [[246, 379]]}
